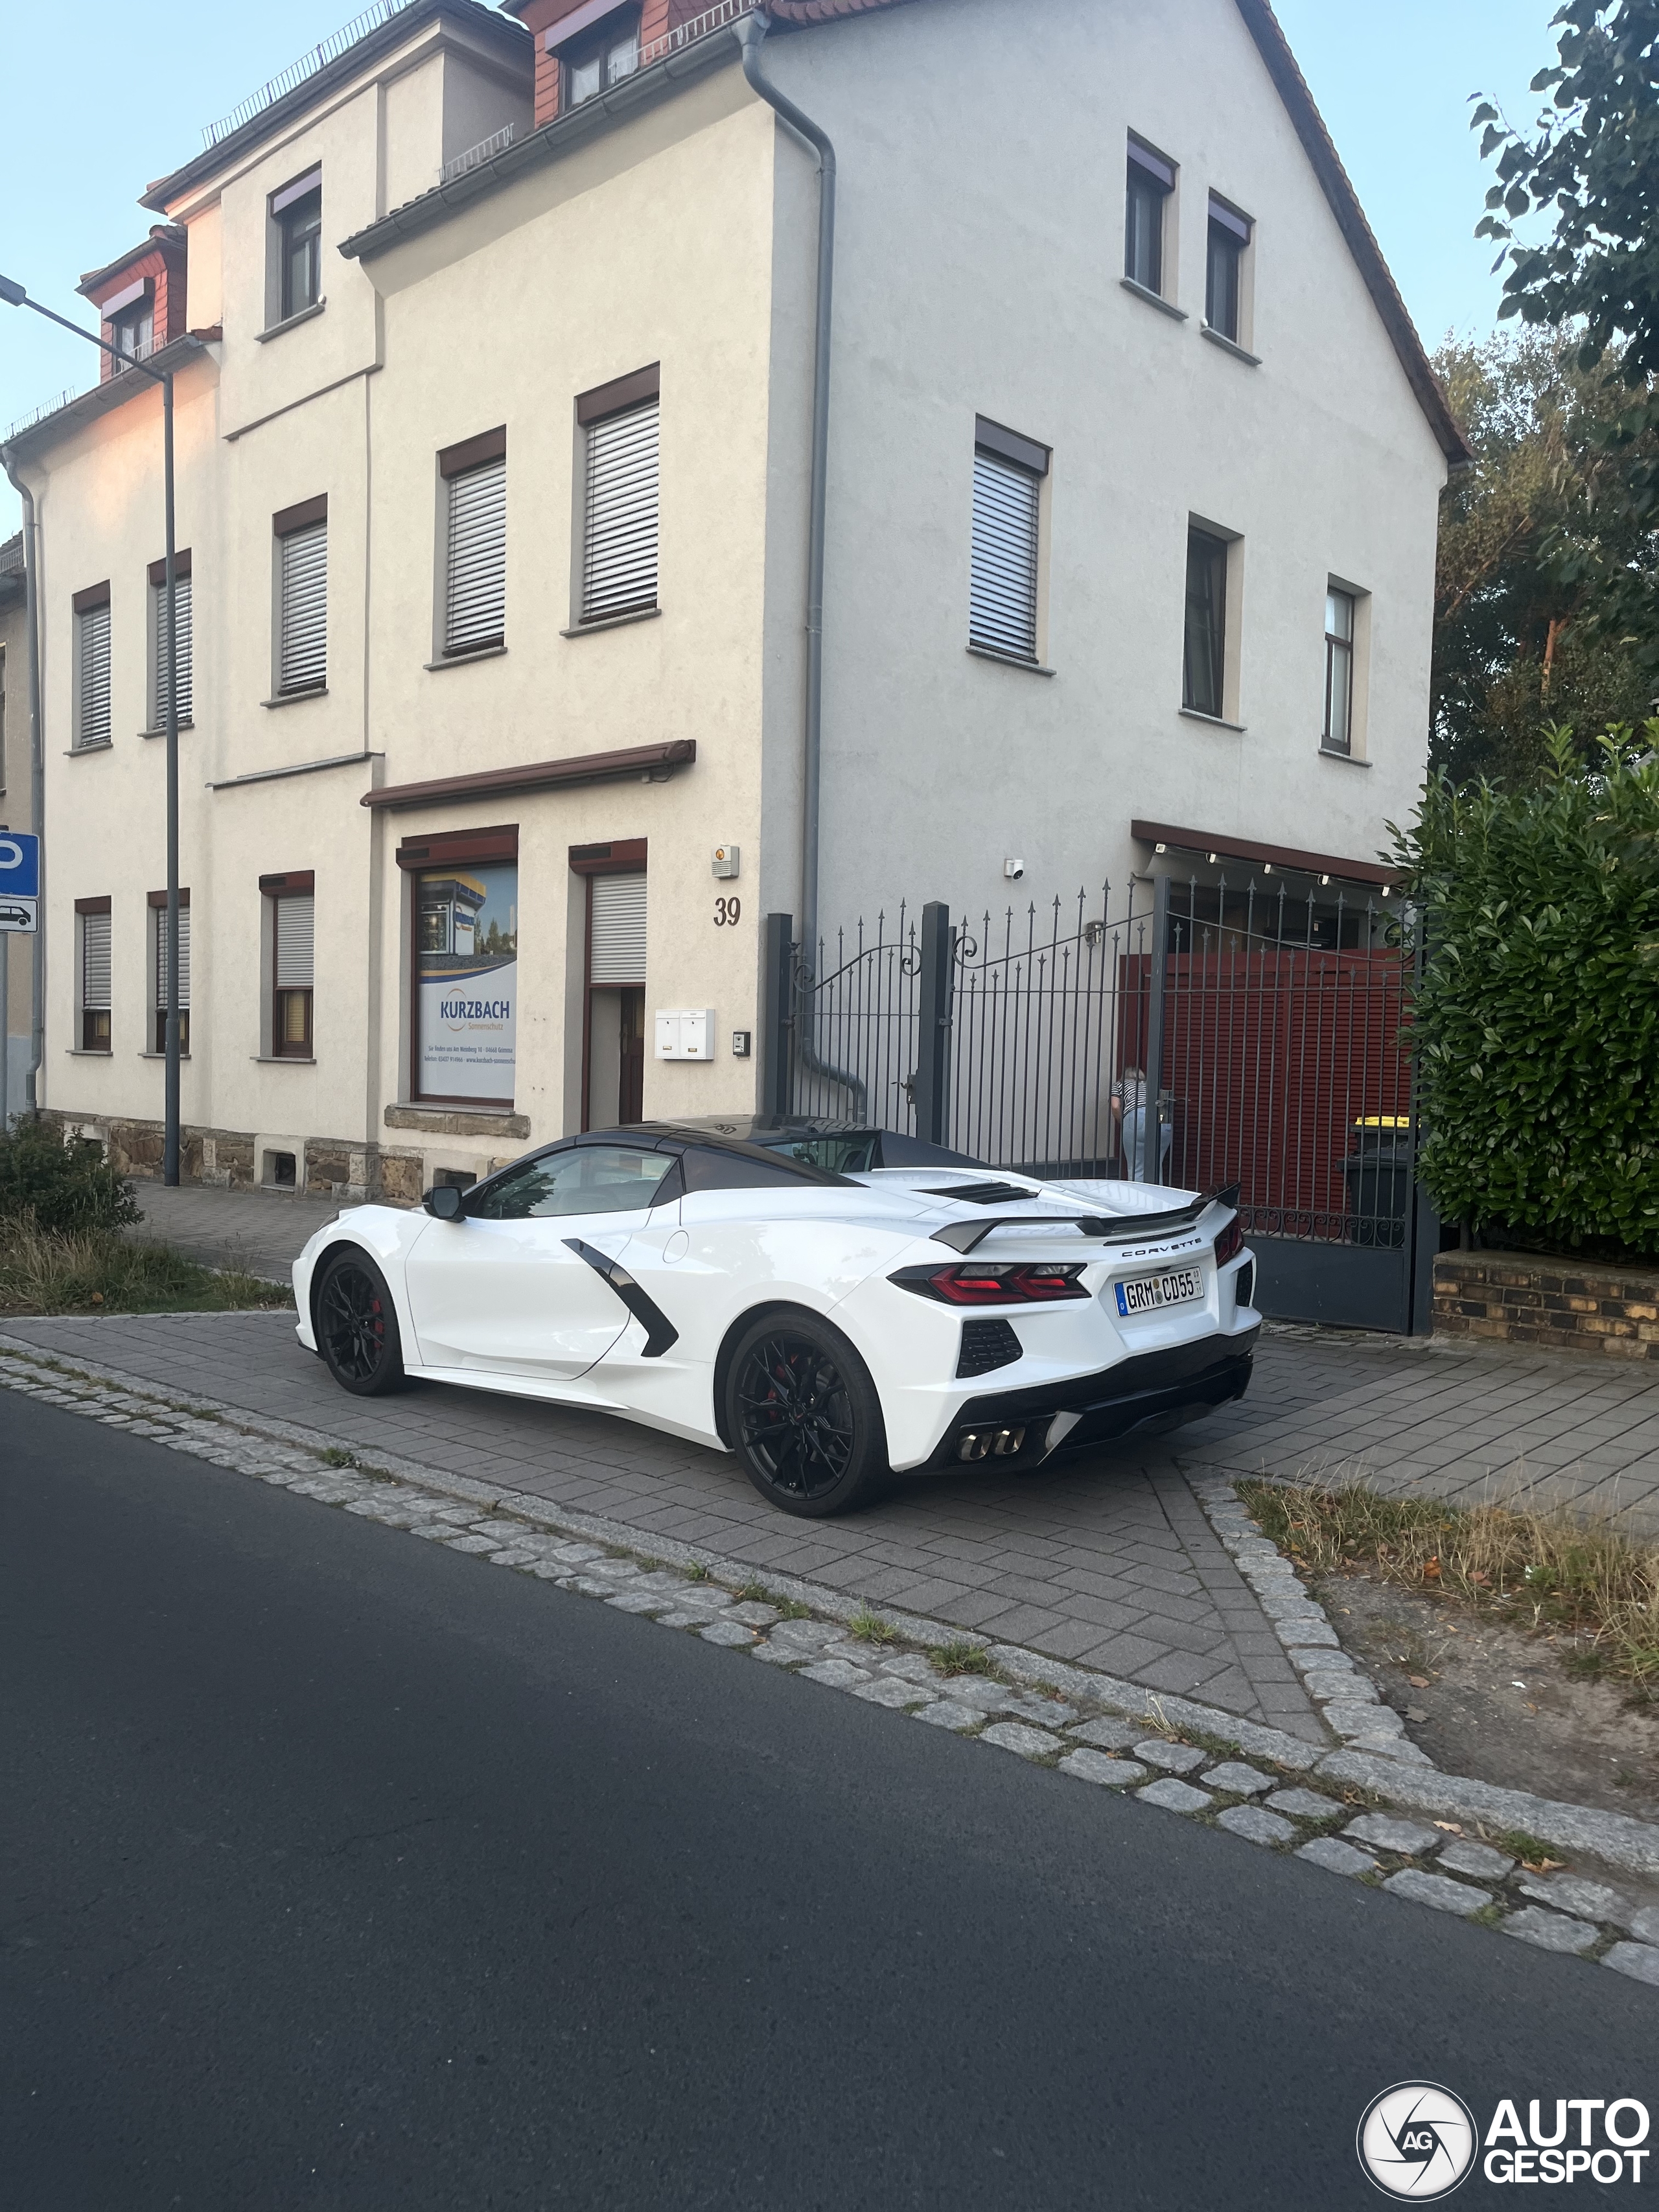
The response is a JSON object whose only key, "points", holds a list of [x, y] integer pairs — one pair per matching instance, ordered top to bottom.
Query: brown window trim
{"points": [[620, 394], [1009, 446], [473, 453], [287, 519], [158, 569], [95, 595], [456, 847], [624, 856], [295, 884], [160, 898], [91, 905], [286, 1047]]}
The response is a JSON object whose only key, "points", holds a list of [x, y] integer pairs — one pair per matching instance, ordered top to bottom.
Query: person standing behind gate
{"points": [[1129, 1113]]}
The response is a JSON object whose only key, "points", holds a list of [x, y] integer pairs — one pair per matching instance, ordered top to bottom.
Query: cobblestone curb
{"points": [[1092, 1729]]}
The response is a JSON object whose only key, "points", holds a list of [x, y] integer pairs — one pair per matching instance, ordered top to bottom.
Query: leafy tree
{"points": [[1591, 165], [1514, 651], [1537, 1019]]}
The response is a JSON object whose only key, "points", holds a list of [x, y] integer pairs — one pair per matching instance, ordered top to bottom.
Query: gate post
{"points": [[777, 1013], [932, 1085], [1151, 1143]]}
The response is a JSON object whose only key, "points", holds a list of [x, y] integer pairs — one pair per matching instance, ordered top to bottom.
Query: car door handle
{"points": [[659, 1332]]}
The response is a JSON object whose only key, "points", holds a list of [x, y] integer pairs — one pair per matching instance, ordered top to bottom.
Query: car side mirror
{"points": [[444, 1202]]}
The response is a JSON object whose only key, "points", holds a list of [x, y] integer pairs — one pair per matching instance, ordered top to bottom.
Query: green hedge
{"points": [[1537, 1019], [62, 1182]]}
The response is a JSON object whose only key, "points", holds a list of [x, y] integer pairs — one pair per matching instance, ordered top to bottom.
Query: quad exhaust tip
{"points": [[989, 1443]]}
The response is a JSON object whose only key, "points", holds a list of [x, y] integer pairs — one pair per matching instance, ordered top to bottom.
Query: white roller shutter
{"points": [[619, 554], [475, 594], [1003, 610], [91, 641], [302, 642], [159, 651], [159, 923], [616, 930], [295, 939], [95, 962]]}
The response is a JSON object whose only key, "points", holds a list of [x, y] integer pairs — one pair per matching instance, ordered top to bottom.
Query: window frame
{"points": [[601, 44], [1151, 182], [296, 214], [1228, 235], [596, 411], [1008, 457], [458, 465], [288, 523], [1219, 554], [84, 607], [1343, 652], [155, 708], [421, 856], [296, 884], [92, 1040], [156, 1040]]}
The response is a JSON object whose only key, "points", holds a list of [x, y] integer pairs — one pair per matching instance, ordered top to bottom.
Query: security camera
{"points": [[1013, 870]]}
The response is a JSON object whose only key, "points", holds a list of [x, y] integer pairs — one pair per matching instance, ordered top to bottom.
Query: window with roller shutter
{"points": [[619, 427], [301, 535], [475, 545], [1003, 608], [158, 640], [92, 667], [91, 928], [293, 938], [616, 953], [157, 1040]]}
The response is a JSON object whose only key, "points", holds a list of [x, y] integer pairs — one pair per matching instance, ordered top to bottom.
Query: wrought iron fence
{"points": [[1203, 1034]]}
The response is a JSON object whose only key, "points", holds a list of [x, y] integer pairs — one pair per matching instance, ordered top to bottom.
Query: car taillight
{"points": [[1230, 1243], [1019, 1283]]}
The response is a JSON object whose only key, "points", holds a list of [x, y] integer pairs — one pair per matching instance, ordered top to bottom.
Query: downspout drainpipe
{"points": [[752, 32], [36, 778]]}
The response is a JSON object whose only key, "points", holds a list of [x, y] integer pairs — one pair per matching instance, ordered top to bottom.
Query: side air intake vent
{"points": [[986, 1344]]}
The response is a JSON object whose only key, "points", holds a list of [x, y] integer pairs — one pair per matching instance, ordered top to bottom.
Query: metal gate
{"points": [[1203, 1035]]}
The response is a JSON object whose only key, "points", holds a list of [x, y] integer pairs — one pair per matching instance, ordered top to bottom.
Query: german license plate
{"points": [[1150, 1293]]}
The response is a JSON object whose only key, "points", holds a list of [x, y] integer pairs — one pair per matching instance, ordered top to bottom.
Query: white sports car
{"points": [[826, 1301]]}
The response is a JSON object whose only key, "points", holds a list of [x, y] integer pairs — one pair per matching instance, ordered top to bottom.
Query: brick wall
{"points": [[656, 17], [162, 259], [1558, 1305]]}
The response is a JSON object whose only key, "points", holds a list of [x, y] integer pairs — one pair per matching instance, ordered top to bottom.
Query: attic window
{"points": [[592, 61], [130, 316]]}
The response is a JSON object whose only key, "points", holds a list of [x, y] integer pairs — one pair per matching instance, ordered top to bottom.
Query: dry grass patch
{"points": [[55, 1271], [1583, 1582]]}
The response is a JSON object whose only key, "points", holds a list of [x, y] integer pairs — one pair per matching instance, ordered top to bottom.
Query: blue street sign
{"points": [[19, 865]]}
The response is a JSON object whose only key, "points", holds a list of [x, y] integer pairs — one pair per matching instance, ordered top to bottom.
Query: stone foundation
{"points": [[225, 1159], [1557, 1306]]}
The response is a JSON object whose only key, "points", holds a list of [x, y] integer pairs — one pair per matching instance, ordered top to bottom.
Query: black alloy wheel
{"points": [[358, 1327], [804, 1415]]}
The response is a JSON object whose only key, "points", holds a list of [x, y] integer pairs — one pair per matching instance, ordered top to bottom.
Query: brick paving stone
{"points": [[731, 1632], [836, 1673], [885, 1690], [947, 1714], [1106, 1734], [1016, 1736], [1173, 1758], [1096, 1766], [1235, 1779], [1174, 1796], [1305, 1804], [1253, 1825], [1389, 1833], [1337, 1857], [1477, 1859], [1435, 1890], [1570, 1892], [1551, 1931], [1639, 1961]]}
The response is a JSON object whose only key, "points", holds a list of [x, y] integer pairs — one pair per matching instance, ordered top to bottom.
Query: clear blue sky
{"points": [[100, 99]]}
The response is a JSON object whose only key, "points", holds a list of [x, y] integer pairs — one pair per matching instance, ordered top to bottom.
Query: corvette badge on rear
{"points": [[1148, 1292]]}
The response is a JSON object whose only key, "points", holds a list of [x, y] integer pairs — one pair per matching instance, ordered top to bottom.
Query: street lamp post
{"points": [[14, 296]]}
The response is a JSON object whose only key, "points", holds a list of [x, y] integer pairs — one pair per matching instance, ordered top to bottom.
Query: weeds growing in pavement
{"points": [[44, 1271], [336, 1455], [697, 1573], [1581, 1581], [759, 1593], [870, 1627], [960, 1656], [1534, 1854]]}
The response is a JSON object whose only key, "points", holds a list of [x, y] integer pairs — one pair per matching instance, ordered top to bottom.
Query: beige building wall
{"points": [[978, 272], [15, 813]]}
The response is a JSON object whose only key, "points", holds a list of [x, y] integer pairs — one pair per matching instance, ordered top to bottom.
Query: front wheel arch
{"points": [[740, 1324]]}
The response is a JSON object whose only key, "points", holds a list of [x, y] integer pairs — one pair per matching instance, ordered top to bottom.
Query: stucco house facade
{"points": [[494, 345]]}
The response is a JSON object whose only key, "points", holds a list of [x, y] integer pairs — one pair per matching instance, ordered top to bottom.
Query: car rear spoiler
{"points": [[1119, 1229]]}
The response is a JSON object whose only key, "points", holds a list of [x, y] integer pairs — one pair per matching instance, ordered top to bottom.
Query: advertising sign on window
{"points": [[466, 959]]}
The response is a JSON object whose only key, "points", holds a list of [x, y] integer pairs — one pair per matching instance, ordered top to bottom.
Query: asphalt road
{"points": [[342, 1870]]}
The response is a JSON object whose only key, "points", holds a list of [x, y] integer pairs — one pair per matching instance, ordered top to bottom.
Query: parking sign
{"points": [[20, 882]]}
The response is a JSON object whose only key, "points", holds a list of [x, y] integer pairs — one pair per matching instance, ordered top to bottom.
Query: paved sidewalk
{"points": [[262, 1230]]}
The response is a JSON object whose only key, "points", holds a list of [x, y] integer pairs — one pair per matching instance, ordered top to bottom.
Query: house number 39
{"points": [[727, 912]]}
